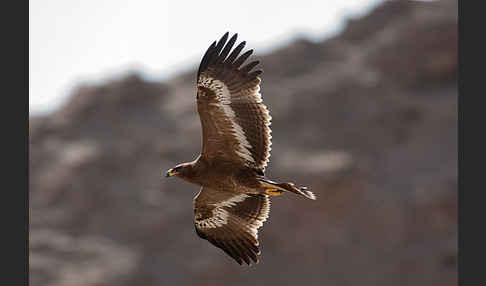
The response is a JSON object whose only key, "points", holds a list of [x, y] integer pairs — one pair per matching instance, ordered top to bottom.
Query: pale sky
{"points": [[91, 41]]}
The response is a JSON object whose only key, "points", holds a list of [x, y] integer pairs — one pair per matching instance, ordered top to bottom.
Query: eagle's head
{"points": [[180, 170]]}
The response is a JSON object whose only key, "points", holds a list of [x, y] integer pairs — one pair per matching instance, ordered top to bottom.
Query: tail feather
{"points": [[290, 187], [308, 194]]}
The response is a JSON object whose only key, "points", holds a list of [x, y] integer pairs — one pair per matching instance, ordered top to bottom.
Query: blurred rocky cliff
{"points": [[367, 119]]}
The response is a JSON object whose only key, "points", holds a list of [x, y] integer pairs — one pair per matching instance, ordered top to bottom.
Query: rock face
{"points": [[367, 120]]}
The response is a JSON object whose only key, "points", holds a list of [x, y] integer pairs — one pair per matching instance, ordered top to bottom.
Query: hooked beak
{"points": [[170, 173]]}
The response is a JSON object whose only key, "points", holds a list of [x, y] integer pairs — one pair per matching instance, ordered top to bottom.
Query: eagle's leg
{"points": [[276, 189], [273, 192]]}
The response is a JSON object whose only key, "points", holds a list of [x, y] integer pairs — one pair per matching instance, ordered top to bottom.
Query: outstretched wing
{"points": [[235, 122], [230, 221]]}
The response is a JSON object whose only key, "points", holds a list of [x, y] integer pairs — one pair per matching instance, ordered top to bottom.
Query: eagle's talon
{"points": [[273, 192]]}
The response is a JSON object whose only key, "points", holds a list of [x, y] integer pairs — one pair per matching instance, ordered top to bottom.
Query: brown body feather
{"points": [[221, 174]]}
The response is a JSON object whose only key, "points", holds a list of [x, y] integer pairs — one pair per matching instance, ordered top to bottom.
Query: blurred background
{"points": [[363, 96]]}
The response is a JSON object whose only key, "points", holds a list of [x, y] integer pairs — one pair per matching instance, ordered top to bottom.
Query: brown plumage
{"points": [[233, 201]]}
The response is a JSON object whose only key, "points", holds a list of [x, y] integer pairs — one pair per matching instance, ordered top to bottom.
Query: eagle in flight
{"points": [[234, 199]]}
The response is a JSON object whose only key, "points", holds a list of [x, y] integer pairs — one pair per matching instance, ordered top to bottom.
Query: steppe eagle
{"points": [[233, 201]]}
